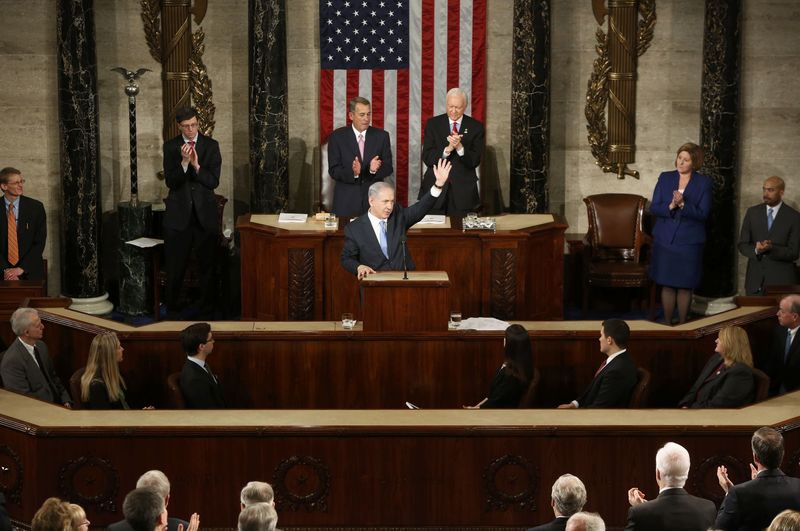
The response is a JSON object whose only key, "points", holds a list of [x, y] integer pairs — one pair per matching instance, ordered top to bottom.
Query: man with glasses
{"points": [[192, 164], [23, 229], [783, 363], [199, 385]]}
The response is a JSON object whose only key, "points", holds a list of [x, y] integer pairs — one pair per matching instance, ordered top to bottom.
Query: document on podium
{"points": [[288, 217], [432, 219]]}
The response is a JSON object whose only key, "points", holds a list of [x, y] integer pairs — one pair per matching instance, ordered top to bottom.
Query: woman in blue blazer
{"points": [[681, 203]]}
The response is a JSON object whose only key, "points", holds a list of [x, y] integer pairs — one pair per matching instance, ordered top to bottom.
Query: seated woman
{"points": [[514, 376], [727, 379], [102, 386]]}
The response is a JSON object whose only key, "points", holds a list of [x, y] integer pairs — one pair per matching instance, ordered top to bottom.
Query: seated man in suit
{"points": [[23, 230], [375, 241], [783, 363], [27, 367], [615, 379], [200, 388], [158, 482], [256, 492], [567, 497], [753, 504], [674, 509], [144, 510], [258, 517], [585, 522]]}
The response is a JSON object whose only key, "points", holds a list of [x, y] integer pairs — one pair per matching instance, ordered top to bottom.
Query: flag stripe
{"points": [[453, 37], [465, 45], [478, 98], [325, 105], [401, 171]]}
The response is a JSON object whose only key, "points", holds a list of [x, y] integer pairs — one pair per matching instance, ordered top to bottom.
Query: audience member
{"points": [[25, 233], [783, 364], [26, 366], [514, 376], [615, 379], [727, 379], [102, 386], [200, 387], [158, 482], [257, 492], [567, 497], [753, 504], [673, 509], [144, 510], [53, 515], [258, 517], [77, 518], [787, 520], [5, 521], [585, 522]]}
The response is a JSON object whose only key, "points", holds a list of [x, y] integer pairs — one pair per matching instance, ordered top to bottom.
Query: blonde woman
{"points": [[727, 379], [102, 386], [53, 515], [77, 517], [788, 520]]}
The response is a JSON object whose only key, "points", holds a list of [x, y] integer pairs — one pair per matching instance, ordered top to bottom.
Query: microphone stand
{"points": [[405, 266]]}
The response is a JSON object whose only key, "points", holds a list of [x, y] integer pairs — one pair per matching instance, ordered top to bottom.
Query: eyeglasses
{"points": [[189, 126], [21, 181]]}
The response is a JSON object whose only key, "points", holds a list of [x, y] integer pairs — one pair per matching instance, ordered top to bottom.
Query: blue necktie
{"points": [[770, 218], [384, 241], [788, 347]]}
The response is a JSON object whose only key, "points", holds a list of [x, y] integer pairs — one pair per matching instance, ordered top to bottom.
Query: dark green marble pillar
{"points": [[530, 106], [269, 118], [134, 276]]}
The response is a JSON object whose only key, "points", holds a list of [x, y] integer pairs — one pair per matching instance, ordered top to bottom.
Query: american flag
{"points": [[403, 56]]}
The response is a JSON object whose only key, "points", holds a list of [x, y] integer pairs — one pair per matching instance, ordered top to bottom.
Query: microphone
{"points": [[405, 265]]}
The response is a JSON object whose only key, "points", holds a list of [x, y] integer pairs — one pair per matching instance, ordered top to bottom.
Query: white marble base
{"points": [[92, 305], [710, 306]]}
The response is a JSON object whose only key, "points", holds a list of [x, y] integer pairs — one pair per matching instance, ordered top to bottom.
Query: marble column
{"points": [[530, 106], [269, 119], [719, 134], [80, 158]]}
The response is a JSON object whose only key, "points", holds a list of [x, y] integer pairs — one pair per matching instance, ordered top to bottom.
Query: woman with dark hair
{"points": [[681, 203], [514, 376], [727, 379], [102, 386]]}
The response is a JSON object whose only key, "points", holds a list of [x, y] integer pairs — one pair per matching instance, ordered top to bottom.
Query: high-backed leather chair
{"points": [[615, 245], [762, 385], [75, 388], [641, 391], [175, 398], [528, 400]]}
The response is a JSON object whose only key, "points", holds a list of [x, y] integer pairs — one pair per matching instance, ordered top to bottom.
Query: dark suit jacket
{"points": [[463, 176], [192, 191], [350, 194], [685, 225], [31, 237], [362, 247], [777, 265], [783, 373], [22, 375], [613, 386], [734, 386], [199, 389], [505, 391], [753, 504], [673, 510], [559, 524], [172, 525]]}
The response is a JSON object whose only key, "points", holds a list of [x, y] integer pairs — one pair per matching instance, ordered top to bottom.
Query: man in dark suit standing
{"points": [[458, 138], [358, 155], [192, 164], [23, 230], [770, 239], [375, 241], [783, 364], [27, 367], [615, 379], [200, 387], [567, 497], [753, 504], [674, 509]]}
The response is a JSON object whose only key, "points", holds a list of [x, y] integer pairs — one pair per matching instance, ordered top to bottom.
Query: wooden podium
{"points": [[419, 304]]}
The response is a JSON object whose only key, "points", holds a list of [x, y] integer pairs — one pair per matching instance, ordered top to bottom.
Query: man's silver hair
{"points": [[458, 91], [377, 187], [21, 320], [673, 462], [154, 480], [256, 492], [568, 495], [258, 517], [585, 522]]}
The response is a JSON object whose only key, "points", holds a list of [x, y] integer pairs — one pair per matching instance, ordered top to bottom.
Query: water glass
{"points": [[455, 319], [347, 321]]}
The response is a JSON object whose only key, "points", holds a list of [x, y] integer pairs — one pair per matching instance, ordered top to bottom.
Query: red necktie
{"points": [[455, 128], [191, 143], [13, 248], [601, 367]]}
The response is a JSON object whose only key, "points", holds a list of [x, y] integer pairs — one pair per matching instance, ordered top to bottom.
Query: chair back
{"points": [[615, 226], [2, 355], [761, 381], [75, 388], [641, 391], [175, 398], [528, 399]]}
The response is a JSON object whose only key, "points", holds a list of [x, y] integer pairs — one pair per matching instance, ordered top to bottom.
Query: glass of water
{"points": [[331, 223], [455, 319], [347, 321]]}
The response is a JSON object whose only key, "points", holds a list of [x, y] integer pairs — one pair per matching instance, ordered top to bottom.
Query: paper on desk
{"points": [[288, 217], [432, 219], [145, 243], [483, 323]]}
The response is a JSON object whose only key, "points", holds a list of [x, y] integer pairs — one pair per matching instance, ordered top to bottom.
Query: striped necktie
{"points": [[13, 247]]}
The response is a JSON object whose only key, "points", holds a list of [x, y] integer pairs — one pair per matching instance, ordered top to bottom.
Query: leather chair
{"points": [[615, 245], [2, 355], [762, 385], [75, 388], [641, 391], [175, 398], [528, 400]]}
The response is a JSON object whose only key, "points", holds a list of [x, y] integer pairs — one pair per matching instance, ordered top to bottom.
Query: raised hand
{"points": [[375, 164], [356, 167]]}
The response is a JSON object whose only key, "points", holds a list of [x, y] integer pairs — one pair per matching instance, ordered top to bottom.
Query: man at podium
{"points": [[375, 241]]}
